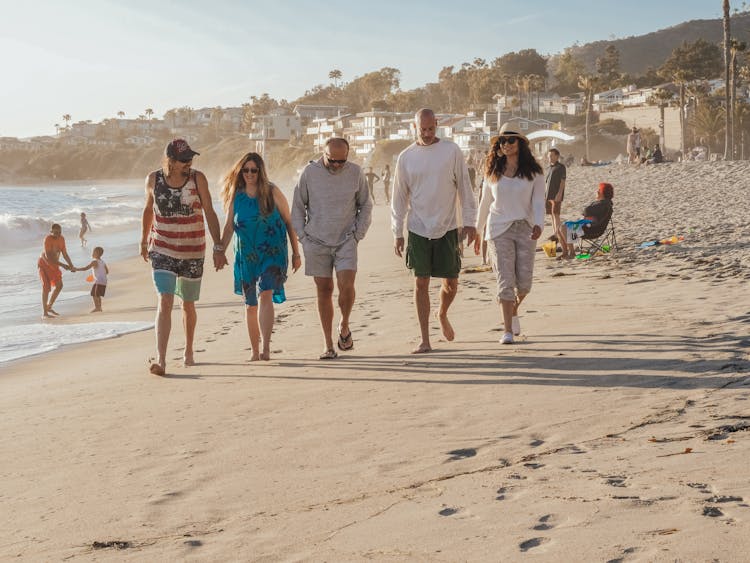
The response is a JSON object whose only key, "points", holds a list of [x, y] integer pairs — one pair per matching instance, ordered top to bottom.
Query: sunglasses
{"points": [[508, 140], [334, 161], [250, 170]]}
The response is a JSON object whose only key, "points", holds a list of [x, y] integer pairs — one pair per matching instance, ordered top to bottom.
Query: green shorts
{"points": [[436, 258]]}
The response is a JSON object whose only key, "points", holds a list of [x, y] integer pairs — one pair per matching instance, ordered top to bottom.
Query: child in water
{"points": [[85, 226]]}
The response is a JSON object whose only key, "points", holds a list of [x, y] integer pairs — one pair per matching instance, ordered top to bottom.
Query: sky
{"points": [[94, 58]]}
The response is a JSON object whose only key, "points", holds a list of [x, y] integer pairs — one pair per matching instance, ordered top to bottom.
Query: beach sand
{"points": [[616, 429]]}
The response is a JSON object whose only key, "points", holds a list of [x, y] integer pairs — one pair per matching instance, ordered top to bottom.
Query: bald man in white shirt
{"points": [[430, 184]]}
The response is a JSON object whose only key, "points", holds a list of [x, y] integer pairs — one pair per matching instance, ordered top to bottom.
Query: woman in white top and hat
{"points": [[512, 205]]}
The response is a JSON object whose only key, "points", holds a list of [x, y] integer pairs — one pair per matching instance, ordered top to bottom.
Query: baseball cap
{"points": [[179, 149]]}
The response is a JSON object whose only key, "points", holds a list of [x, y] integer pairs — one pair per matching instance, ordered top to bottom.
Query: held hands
{"points": [[536, 232], [220, 260]]}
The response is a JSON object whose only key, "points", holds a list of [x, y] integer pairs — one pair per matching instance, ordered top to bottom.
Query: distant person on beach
{"points": [[633, 145], [656, 156], [386, 177], [372, 179], [431, 182], [555, 189], [513, 208], [331, 212], [597, 213], [258, 219], [85, 226], [173, 239], [49, 269], [99, 272]]}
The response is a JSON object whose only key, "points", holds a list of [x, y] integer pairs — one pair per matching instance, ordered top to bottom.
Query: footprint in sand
{"points": [[536, 443], [457, 455], [533, 465], [616, 481], [501, 493], [448, 511], [712, 511], [546, 522], [533, 542]]}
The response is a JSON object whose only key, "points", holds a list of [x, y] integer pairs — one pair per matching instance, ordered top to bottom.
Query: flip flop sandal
{"points": [[346, 342], [329, 354]]}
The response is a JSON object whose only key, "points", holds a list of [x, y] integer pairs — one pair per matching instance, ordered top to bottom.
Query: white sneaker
{"points": [[516, 325], [507, 338]]}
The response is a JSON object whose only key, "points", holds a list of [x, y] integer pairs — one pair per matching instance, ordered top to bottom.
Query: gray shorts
{"points": [[512, 255], [320, 260]]}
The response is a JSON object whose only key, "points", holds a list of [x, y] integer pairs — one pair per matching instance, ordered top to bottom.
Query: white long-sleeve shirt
{"points": [[430, 183], [509, 200]]}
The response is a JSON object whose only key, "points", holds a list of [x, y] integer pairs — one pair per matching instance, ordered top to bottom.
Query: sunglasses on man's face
{"points": [[508, 140], [334, 161], [250, 170]]}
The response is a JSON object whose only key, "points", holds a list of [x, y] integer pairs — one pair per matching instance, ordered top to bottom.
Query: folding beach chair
{"points": [[601, 239]]}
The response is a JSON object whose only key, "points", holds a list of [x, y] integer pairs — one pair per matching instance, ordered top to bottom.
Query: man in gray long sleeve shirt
{"points": [[331, 212]]}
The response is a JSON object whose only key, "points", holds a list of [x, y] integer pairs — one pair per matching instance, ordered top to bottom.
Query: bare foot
{"points": [[51, 310], [95, 311], [46, 316], [445, 324], [422, 349], [265, 356], [255, 357], [187, 360], [157, 369]]}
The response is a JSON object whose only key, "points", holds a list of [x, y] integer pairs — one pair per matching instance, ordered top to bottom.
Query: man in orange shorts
{"points": [[49, 268]]}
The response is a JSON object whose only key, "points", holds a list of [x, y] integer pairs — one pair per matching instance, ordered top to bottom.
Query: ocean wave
{"points": [[28, 340]]}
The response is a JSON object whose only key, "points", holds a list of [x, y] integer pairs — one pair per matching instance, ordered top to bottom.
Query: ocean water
{"points": [[113, 210]]}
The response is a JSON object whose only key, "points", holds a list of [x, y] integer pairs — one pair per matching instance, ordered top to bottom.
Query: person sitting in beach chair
{"points": [[596, 231]]}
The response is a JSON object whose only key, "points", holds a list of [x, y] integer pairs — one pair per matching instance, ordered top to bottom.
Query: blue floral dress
{"points": [[260, 251]]}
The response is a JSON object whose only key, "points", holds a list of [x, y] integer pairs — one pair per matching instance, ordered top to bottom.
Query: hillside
{"points": [[638, 53]]}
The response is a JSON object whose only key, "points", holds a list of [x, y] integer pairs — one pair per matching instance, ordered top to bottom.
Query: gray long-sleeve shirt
{"points": [[331, 207]]}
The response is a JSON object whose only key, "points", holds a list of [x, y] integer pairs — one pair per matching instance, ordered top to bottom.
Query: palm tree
{"points": [[736, 47], [335, 75], [588, 83], [149, 112], [120, 114], [67, 119], [708, 123], [57, 128], [728, 150]]}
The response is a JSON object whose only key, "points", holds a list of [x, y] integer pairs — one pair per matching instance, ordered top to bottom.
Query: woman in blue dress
{"points": [[257, 215]]}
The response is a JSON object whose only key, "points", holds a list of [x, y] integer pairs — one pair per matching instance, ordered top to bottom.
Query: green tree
{"points": [[699, 60], [521, 63], [569, 68], [608, 68], [149, 112], [120, 114], [67, 119], [708, 122]]}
